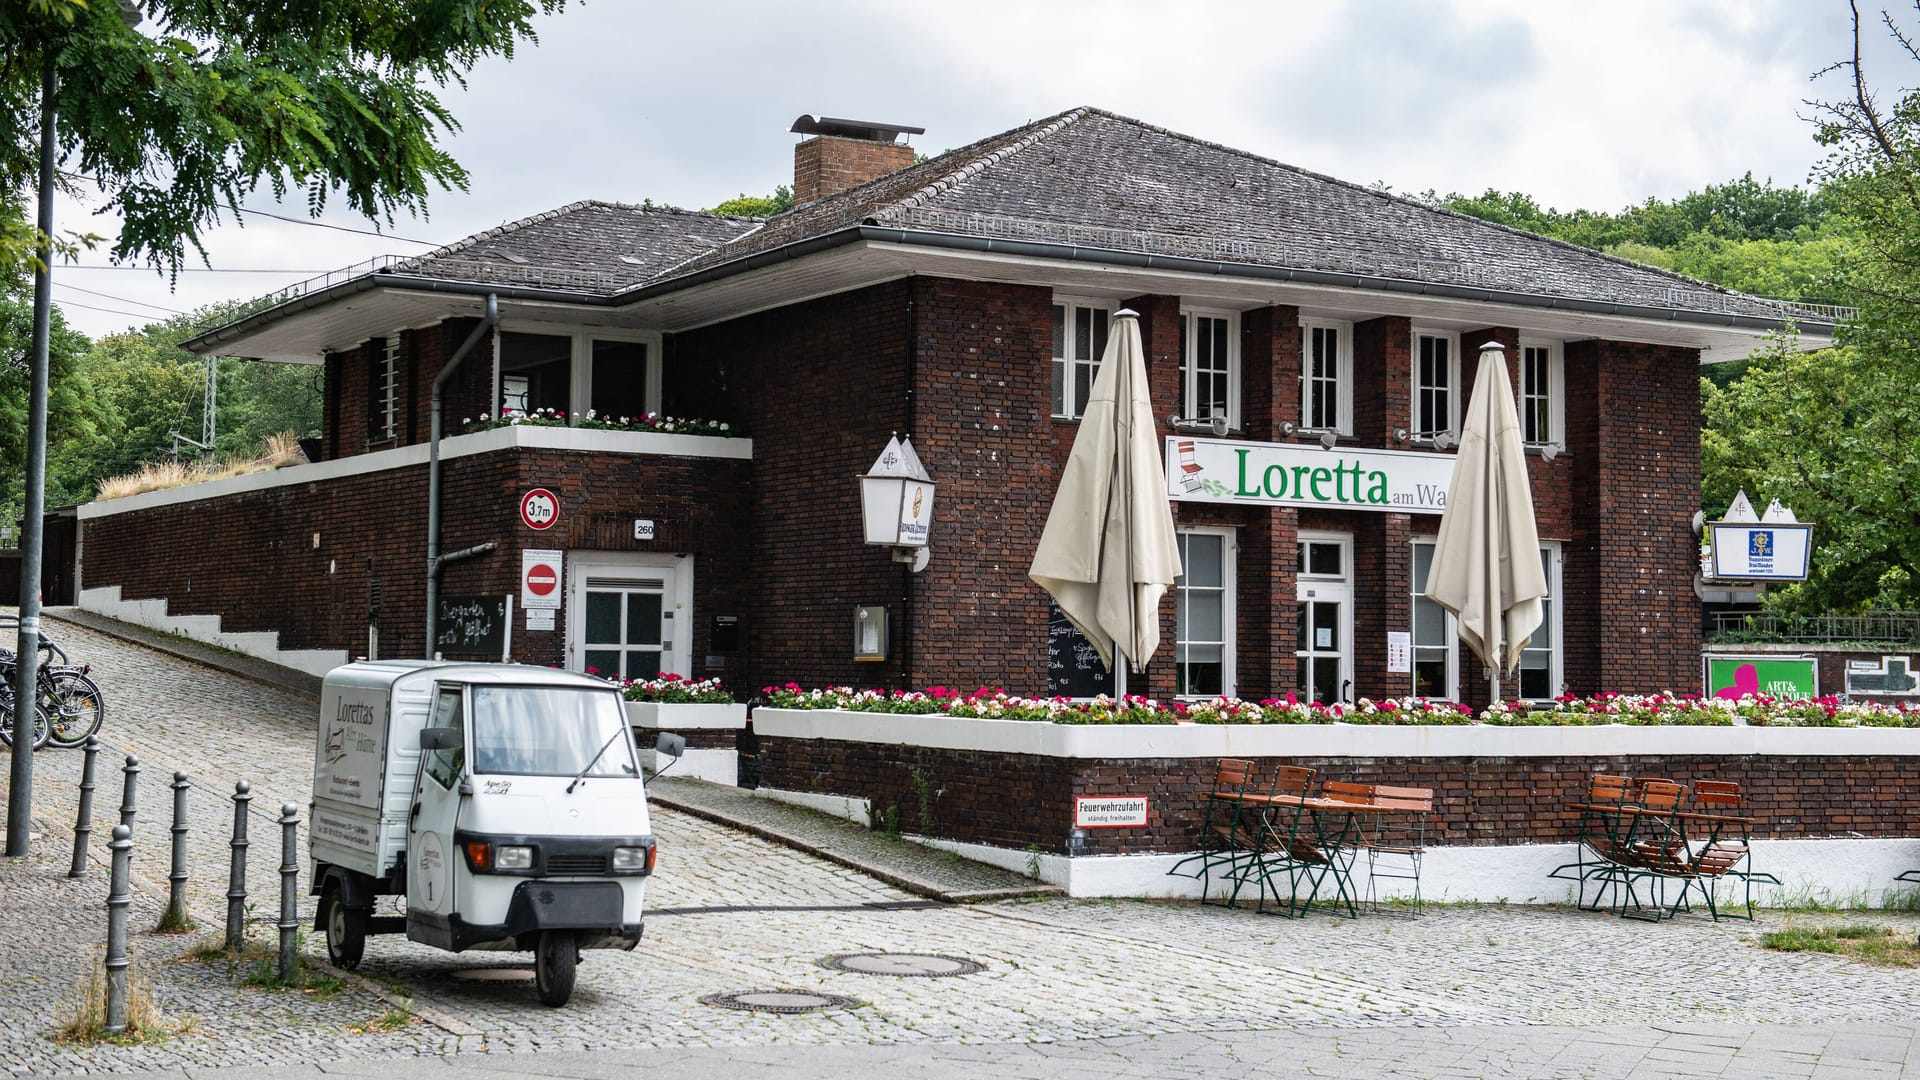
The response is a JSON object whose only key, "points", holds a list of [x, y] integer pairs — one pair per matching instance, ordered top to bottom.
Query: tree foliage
{"points": [[179, 119], [760, 206]]}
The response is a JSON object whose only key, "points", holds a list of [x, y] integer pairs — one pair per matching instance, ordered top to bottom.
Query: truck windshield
{"points": [[549, 731]]}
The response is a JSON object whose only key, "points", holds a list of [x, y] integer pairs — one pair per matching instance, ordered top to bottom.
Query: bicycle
{"points": [[69, 699], [42, 729]]}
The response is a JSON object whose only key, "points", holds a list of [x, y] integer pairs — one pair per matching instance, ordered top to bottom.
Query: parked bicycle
{"points": [[68, 704]]}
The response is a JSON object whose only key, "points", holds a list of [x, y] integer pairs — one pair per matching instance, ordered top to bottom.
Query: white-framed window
{"points": [[1079, 340], [1210, 365], [574, 370], [1326, 376], [1436, 383], [1542, 393], [384, 416], [1203, 600], [1436, 641], [1540, 661]]}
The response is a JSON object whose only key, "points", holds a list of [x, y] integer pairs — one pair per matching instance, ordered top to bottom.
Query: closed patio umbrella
{"points": [[1108, 553], [1486, 560]]}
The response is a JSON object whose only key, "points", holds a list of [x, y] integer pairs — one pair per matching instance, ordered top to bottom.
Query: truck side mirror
{"points": [[440, 738], [670, 744]]}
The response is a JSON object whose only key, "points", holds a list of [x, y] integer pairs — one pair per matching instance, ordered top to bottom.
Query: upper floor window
{"points": [[1079, 340], [1210, 366], [574, 371], [1326, 379], [1436, 381], [1542, 396], [383, 401]]}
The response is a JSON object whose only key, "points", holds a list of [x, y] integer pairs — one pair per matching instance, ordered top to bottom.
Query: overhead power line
{"points": [[290, 219], [193, 269], [122, 299], [149, 316]]}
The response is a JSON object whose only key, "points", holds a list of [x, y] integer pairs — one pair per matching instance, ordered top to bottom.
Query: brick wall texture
{"points": [[828, 164], [964, 369], [1013, 800]]}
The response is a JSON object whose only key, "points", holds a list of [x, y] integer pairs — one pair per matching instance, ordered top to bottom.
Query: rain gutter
{"points": [[434, 559]]}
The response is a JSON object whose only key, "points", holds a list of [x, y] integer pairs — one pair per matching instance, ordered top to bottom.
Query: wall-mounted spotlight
{"points": [[1215, 426], [1287, 428], [1329, 439], [1442, 440], [1549, 451]]}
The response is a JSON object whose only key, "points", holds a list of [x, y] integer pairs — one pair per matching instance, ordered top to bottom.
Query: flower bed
{"points": [[665, 425], [671, 689], [1646, 710]]}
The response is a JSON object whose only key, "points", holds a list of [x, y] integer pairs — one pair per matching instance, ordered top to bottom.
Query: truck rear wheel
{"points": [[346, 930], [554, 957]]}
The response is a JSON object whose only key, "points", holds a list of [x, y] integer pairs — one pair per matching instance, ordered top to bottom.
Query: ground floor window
{"points": [[1203, 596], [1436, 638]]}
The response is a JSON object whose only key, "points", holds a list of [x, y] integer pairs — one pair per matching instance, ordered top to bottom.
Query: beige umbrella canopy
{"points": [[1108, 553], [1486, 560]]}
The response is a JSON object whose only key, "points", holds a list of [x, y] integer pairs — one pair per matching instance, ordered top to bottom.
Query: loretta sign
{"points": [[1282, 474]]}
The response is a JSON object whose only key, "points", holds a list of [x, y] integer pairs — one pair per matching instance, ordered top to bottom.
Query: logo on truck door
{"points": [[430, 869]]}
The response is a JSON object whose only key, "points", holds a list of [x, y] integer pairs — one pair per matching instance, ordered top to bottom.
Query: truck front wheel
{"points": [[346, 930], [554, 957]]}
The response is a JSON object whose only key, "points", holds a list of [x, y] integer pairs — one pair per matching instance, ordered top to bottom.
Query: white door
{"points": [[629, 617], [1323, 642], [431, 822]]}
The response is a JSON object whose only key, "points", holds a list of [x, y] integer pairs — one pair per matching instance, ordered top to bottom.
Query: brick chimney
{"points": [[844, 154]]}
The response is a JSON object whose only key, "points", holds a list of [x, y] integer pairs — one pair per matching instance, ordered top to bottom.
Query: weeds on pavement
{"points": [[1867, 942], [87, 1024]]}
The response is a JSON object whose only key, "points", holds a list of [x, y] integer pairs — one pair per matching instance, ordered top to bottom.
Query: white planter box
{"points": [[654, 714], [1322, 740]]}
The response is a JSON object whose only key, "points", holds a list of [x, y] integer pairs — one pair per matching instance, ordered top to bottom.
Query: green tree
{"points": [[211, 100], [760, 206], [78, 425]]}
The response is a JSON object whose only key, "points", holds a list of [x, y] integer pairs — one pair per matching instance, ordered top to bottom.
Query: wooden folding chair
{"points": [[1603, 826], [1229, 830], [1397, 839], [1728, 843], [1299, 845], [1655, 850]]}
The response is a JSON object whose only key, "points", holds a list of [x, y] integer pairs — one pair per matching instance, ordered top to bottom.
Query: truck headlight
{"points": [[513, 857], [633, 860]]}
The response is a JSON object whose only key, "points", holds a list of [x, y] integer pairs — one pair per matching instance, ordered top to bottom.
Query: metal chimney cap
{"points": [[865, 130]]}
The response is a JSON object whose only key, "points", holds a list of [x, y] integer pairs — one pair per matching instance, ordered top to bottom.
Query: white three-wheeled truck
{"points": [[505, 803]]}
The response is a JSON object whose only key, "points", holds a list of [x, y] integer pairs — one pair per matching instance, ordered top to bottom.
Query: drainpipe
{"points": [[434, 561], [906, 570]]}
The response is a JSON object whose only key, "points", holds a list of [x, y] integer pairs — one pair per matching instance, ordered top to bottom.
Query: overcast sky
{"points": [[1590, 105]]}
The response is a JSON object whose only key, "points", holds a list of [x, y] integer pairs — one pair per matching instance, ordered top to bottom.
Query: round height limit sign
{"points": [[539, 509]]}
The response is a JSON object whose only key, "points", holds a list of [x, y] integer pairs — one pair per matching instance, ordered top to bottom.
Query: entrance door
{"points": [[629, 619], [1323, 642]]}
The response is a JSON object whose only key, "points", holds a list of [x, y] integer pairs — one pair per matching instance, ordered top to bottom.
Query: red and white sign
{"points": [[539, 509], [540, 579], [1110, 811]]}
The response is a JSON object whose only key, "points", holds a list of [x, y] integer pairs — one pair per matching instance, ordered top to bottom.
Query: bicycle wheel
{"points": [[75, 707], [41, 728]]}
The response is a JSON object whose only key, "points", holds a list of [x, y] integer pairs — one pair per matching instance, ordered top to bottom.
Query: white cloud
{"points": [[1595, 105]]}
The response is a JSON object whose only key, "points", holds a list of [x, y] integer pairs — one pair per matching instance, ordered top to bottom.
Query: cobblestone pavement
{"points": [[1069, 988]]}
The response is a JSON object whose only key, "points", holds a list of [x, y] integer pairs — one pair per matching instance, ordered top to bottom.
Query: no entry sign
{"points": [[539, 509], [539, 579]]}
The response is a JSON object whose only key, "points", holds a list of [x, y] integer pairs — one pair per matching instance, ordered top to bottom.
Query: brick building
{"points": [[964, 301]]}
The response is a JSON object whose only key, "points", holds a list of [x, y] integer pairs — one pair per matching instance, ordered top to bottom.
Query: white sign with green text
{"points": [[1285, 474]]}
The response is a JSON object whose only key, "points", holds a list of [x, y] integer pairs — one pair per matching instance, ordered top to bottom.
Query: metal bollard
{"points": [[132, 771], [83, 823], [237, 877], [289, 883], [118, 898], [176, 916]]}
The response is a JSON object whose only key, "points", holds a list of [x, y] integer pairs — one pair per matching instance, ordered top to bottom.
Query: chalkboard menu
{"points": [[473, 626], [1073, 668]]}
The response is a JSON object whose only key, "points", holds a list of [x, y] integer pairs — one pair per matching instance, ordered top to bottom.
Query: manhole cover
{"points": [[913, 965], [494, 974], [779, 1001]]}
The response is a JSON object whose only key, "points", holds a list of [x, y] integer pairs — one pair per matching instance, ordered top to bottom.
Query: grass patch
{"points": [[175, 922], [1868, 943], [258, 965], [392, 1020], [86, 1026]]}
